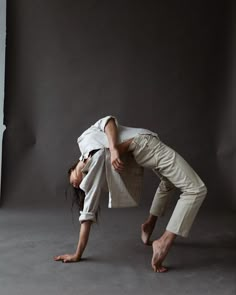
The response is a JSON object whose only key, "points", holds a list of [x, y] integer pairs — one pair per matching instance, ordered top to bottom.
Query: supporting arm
{"points": [[83, 239]]}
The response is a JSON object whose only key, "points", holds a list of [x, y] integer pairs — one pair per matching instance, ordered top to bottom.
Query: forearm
{"points": [[112, 133], [83, 238]]}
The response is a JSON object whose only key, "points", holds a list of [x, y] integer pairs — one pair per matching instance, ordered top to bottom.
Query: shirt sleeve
{"points": [[100, 124], [92, 185], [91, 204]]}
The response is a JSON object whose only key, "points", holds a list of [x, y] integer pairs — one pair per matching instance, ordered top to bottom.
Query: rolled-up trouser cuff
{"points": [[87, 216], [183, 234]]}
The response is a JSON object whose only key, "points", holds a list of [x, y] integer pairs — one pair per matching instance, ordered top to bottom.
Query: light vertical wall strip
{"points": [[2, 73]]}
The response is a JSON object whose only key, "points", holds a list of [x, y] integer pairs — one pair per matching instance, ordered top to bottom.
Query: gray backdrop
{"points": [[161, 65]]}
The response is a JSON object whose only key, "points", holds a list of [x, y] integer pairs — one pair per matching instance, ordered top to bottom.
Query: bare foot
{"points": [[146, 231], [160, 250]]}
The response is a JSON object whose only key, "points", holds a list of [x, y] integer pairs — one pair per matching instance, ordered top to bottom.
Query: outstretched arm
{"points": [[112, 134], [83, 239]]}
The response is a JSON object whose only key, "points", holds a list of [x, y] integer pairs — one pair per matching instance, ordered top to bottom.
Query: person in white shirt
{"points": [[112, 158]]}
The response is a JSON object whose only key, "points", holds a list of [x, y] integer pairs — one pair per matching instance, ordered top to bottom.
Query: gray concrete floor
{"points": [[115, 261]]}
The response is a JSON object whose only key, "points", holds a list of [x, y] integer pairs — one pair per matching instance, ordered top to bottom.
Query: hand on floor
{"points": [[67, 258]]}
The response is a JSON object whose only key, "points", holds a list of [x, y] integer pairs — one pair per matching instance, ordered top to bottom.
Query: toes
{"points": [[159, 268], [162, 269]]}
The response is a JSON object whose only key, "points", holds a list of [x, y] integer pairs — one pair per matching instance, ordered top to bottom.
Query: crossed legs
{"points": [[151, 153], [159, 205]]}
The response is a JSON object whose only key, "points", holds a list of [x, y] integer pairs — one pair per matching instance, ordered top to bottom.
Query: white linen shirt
{"points": [[95, 137], [99, 175]]}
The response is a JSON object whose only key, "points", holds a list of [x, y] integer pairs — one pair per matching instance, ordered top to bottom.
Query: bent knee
{"points": [[166, 186], [203, 190], [200, 191], [196, 192]]}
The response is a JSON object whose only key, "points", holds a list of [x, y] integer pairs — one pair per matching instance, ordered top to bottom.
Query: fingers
{"points": [[116, 161], [118, 164], [57, 258], [63, 258], [66, 258]]}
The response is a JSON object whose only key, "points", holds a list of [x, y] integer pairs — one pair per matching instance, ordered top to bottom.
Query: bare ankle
{"points": [[151, 220], [167, 238]]}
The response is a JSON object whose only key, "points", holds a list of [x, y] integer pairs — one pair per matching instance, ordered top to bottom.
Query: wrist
{"points": [[113, 148], [77, 256]]}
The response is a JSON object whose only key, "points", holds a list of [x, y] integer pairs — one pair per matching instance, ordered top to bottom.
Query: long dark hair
{"points": [[77, 194]]}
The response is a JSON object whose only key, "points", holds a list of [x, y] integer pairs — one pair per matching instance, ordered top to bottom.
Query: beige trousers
{"points": [[174, 172]]}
